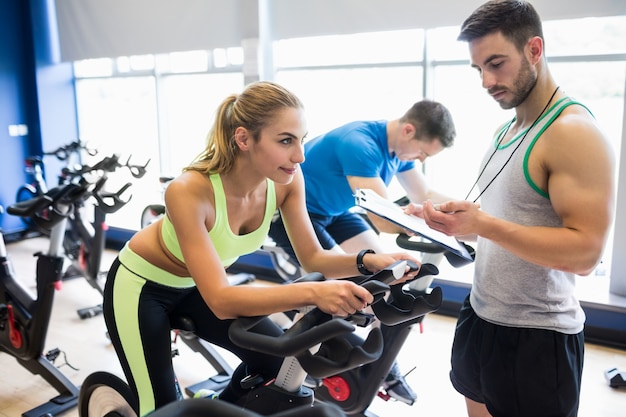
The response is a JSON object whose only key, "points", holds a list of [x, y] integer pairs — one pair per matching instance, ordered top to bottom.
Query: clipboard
{"points": [[392, 212]]}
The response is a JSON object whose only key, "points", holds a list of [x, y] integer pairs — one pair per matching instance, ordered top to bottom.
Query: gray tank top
{"points": [[508, 290]]}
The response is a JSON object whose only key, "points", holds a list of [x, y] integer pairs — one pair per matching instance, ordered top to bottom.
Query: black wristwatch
{"points": [[359, 262]]}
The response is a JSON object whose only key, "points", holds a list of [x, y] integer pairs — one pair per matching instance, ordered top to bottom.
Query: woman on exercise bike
{"points": [[218, 209]]}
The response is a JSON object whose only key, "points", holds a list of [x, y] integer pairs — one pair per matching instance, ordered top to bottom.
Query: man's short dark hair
{"points": [[517, 20], [431, 120]]}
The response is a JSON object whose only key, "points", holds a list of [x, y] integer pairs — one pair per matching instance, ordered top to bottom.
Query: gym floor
{"points": [[85, 349]]}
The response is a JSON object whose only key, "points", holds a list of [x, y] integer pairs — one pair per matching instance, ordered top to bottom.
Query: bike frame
{"points": [[24, 320]]}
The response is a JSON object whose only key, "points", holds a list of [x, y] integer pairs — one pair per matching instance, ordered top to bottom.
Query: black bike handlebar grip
{"points": [[61, 154], [108, 164], [137, 171], [99, 184], [78, 192], [117, 204], [404, 241], [458, 261], [377, 289], [403, 305], [391, 315], [304, 334], [337, 355]]}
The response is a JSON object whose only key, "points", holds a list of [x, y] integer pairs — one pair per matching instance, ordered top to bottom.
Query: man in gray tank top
{"points": [[542, 216]]}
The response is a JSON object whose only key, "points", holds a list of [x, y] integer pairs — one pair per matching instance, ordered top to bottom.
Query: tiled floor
{"points": [[85, 347]]}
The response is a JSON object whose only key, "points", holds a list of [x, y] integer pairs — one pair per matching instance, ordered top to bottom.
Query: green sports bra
{"points": [[229, 246]]}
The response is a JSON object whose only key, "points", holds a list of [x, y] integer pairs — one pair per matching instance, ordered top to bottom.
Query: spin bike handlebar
{"points": [[62, 153], [108, 164], [102, 197], [54, 200], [108, 202], [404, 241], [404, 306], [315, 328]]}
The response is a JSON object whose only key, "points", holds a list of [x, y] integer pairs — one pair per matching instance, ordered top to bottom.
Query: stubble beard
{"points": [[522, 86]]}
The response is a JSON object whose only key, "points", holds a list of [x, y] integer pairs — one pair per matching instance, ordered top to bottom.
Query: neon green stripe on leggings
{"points": [[126, 291]]}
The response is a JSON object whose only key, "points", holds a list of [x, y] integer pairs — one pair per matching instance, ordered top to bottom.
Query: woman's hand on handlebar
{"points": [[379, 261], [340, 297]]}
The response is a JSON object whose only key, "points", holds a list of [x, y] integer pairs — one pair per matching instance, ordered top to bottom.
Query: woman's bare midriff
{"points": [[147, 244]]}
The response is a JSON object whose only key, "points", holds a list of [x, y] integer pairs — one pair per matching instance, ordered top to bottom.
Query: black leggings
{"points": [[138, 314]]}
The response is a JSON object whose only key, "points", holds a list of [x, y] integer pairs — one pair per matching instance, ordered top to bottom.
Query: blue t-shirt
{"points": [[357, 149]]}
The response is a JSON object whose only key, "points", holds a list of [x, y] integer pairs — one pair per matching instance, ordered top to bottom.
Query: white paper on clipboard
{"points": [[389, 210]]}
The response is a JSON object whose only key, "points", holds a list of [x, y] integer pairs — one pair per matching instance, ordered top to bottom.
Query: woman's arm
{"points": [[191, 210], [310, 253]]}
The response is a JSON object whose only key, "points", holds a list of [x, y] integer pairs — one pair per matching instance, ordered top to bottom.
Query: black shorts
{"points": [[515, 371]]}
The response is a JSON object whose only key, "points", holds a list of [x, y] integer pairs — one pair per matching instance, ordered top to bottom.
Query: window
{"points": [[349, 77], [161, 107], [156, 108], [118, 115]]}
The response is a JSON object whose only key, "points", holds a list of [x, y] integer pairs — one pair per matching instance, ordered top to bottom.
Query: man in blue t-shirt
{"points": [[369, 154]]}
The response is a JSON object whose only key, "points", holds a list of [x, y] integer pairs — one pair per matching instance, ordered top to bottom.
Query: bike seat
{"points": [[29, 207], [48, 209], [183, 323]]}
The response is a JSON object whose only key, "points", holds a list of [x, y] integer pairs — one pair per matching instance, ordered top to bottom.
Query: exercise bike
{"points": [[69, 154], [85, 239], [24, 320], [312, 346], [355, 389], [107, 398]]}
